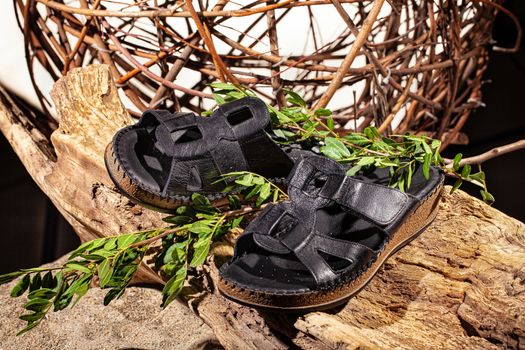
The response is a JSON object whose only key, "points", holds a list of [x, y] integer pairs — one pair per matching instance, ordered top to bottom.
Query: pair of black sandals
{"points": [[315, 250]]}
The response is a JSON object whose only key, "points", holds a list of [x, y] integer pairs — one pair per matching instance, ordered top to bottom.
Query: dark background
{"points": [[33, 232]]}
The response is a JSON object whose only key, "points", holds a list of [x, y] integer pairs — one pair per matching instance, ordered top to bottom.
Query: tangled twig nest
{"points": [[404, 66]]}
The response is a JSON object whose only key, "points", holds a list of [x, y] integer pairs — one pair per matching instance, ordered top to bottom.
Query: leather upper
{"points": [[173, 155]]}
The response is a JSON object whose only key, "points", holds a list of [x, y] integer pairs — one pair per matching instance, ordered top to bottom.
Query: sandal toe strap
{"points": [[279, 231]]}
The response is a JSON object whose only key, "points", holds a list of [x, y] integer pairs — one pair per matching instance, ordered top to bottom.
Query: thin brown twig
{"points": [[150, 54], [347, 62], [493, 153]]}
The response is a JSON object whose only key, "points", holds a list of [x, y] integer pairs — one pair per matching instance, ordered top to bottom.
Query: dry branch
{"points": [[150, 45], [493, 153]]}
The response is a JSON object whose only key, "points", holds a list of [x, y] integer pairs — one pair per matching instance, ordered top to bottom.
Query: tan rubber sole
{"points": [[132, 190], [412, 227]]}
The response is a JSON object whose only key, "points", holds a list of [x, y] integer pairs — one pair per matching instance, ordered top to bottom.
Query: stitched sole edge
{"points": [[135, 193], [410, 229]]}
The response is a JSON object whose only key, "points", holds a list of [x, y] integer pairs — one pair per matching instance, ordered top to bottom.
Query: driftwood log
{"points": [[461, 285]]}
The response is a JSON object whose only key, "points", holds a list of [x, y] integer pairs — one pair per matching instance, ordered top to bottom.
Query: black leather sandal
{"points": [[164, 158], [324, 244]]}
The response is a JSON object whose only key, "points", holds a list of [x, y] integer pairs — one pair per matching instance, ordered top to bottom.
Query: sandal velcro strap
{"points": [[319, 177], [378, 204]]}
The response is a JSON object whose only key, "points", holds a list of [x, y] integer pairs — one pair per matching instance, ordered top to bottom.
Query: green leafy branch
{"points": [[362, 152], [260, 187], [111, 262]]}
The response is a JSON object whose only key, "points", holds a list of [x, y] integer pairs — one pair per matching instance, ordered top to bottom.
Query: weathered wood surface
{"points": [[460, 285], [134, 321]]}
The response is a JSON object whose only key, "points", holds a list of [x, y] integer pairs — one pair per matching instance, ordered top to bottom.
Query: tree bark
{"points": [[461, 284]]}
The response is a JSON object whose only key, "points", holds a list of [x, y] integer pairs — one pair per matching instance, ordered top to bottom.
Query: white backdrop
{"points": [[13, 67], [14, 75]]}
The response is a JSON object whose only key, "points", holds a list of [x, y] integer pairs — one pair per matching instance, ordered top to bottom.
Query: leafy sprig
{"points": [[362, 152], [111, 262]]}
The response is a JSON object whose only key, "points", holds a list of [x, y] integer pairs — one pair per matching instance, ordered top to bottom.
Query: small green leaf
{"points": [[223, 86], [218, 98], [295, 99], [323, 112], [283, 118], [330, 123], [279, 133], [372, 133], [357, 139], [337, 144], [435, 144], [426, 147], [335, 149], [330, 152], [457, 159], [365, 161], [426, 165], [353, 170], [410, 172], [465, 172], [479, 176], [246, 180], [258, 180], [401, 184], [456, 185], [253, 192], [264, 193], [275, 197], [487, 197], [199, 200], [234, 201], [178, 220], [236, 222], [199, 227], [124, 241], [110, 244], [202, 247], [82, 248], [174, 253], [78, 267], [105, 271], [8, 277], [48, 281], [36, 282], [21, 286], [173, 286], [79, 287], [82, 289], [44, 293], [113, 294], [37, 304], [32, 317], [30, 325]]}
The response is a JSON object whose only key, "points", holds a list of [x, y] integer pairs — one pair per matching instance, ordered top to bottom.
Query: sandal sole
{"points": [[131, 190], [135, 193], [409, 230]]}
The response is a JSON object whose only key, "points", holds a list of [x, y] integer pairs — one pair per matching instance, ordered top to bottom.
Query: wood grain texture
{"points": [[461, 284]]}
